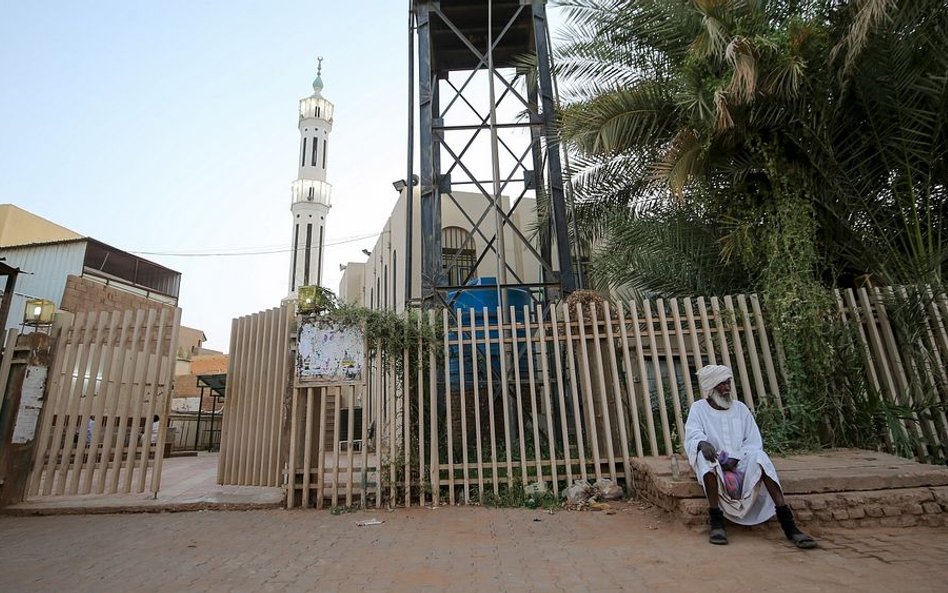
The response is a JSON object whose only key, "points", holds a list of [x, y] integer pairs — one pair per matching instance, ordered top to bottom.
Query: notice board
{"points": [[329, 353]]}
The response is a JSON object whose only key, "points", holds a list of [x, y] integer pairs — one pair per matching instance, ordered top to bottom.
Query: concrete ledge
{"points": [[846, 487]]}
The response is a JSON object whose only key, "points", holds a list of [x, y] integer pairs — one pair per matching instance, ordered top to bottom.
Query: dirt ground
{"points": [[632, 547]]}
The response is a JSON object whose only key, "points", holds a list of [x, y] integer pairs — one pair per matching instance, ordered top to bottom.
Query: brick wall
{"points": [[82, 294], [209, 364], [893, 507]]}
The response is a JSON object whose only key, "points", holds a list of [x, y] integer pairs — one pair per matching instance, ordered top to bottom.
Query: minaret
{"points": [[311, 193]]}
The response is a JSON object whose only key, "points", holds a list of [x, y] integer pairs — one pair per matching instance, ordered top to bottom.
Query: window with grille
{"points": [[457, 255]]}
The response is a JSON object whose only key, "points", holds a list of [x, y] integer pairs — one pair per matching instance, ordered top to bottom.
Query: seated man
{"points": [[725, 449]]}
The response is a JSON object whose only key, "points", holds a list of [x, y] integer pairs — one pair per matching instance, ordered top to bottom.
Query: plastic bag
{"points": [[534, 488], [606, 489], [580, 492]]}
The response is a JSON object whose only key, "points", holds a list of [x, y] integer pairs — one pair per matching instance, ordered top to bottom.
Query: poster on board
{"points": [[329, 353], [31, 402]]}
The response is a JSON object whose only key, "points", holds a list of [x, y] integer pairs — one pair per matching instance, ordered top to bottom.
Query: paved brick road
{"points": [[448, 549]]}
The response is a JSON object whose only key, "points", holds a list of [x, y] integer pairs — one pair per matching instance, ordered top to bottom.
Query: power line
{"points": [[236, 251]]}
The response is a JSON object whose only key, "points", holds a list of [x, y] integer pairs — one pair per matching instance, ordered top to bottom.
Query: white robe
{"points": [[735, 431]]}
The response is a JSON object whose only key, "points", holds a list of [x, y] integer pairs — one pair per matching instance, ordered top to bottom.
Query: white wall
{"points": [[383, 275], [350, 287]]}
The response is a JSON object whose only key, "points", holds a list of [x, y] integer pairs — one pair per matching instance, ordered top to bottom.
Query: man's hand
{"points": [[707, 449], [730, 464]]}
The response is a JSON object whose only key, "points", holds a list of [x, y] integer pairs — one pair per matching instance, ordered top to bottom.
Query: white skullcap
{"points": [[711, 376]]}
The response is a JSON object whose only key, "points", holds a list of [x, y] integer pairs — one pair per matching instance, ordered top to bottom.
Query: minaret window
{"points": [[324, 153], [313, 157], [303, 158], [309, 247], [296, 251], [319, 263]]}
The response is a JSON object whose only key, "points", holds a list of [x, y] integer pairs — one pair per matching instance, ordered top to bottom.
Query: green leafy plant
{"points": [[785, 148]]}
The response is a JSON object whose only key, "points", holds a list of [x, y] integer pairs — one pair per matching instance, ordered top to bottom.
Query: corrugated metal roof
{"points": [[45, 243], [110, 248], [44, 269], [137, 271]]}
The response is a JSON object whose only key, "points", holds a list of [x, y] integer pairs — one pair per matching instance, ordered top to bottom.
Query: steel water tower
{"points": [[486, 125]]}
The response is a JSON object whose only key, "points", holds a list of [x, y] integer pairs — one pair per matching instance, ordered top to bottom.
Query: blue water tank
{"points": [[477, 298]]}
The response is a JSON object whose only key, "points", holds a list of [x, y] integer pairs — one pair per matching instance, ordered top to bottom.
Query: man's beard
{"points": [[722, 401]]}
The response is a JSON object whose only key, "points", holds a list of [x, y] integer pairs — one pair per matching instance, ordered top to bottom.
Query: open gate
{"points": [[110, 375]]}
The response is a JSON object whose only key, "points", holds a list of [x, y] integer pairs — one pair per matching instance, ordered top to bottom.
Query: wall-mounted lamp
{"points": [[367, 252], [342, 267], [307, 299], [39, 312]]}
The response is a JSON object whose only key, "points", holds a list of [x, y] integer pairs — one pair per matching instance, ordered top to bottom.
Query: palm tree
{"points": [[838, 107], [781, 145], [881, 148]]}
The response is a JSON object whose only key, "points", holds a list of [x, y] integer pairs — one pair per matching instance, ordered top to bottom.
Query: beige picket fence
{"points": [[902, 338], [116, 369], [556, 393], [552, 394], [511, 397], [331, 438]]}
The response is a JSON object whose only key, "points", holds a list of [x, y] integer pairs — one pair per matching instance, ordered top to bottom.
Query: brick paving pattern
{"points": [[449, 549]]}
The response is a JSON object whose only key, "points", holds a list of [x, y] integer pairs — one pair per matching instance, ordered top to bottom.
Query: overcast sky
{"points": [[170, 126]]}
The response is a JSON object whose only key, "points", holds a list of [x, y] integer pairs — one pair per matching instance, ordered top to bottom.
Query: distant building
{"points": [[18, 227], [77, 273], [190, 346], [194, 360], [187, 393], [196, 402]]}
